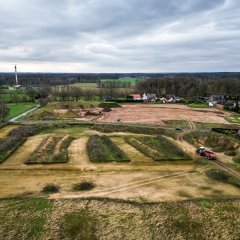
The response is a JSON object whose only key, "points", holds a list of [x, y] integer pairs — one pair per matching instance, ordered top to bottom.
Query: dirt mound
{"points": [[71, 114], [43, 115]]}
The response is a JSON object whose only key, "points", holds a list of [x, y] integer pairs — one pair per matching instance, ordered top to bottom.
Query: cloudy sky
{"points": [[120, 36]]}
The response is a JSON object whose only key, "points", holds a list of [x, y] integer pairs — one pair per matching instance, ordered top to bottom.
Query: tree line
{"points": [[190, 86]]}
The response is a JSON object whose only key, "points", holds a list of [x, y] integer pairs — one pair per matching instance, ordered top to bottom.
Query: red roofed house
{"points": [[134, 97]]}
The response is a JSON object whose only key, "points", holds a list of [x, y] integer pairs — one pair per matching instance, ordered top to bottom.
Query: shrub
{"points": [[109, 105], [8, 146], [217, 175], [221, 176], [83, 186], [51, 188]]}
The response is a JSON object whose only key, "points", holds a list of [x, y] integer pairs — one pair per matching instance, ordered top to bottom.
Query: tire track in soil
{"points": [[143, 182], [136, 184]]}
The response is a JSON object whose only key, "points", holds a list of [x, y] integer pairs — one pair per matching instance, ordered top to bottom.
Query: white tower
{"points": [[16, 76]]}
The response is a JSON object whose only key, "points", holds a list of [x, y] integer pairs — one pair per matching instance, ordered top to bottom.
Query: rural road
{"points": [[23, 114]]}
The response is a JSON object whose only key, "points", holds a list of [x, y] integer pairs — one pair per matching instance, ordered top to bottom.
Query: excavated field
{"points": [[156, 114]]}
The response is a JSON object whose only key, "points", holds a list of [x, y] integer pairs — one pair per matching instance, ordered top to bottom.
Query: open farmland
{"points": [[158, 113], [125, 171], [136, 171]]}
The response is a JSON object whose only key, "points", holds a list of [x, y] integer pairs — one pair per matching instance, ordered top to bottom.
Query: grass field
{"points": [[123, 80], [17, 109], [114, 219]]}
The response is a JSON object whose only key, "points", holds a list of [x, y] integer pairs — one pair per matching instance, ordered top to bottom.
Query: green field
{"points": [[123, 80], [85, 85], [199, 105], [17, 109], [233, 119], [114, 219]]}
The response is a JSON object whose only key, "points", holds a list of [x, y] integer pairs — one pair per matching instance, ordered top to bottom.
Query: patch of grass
{"points": [[199, 105], [17, 109], [233, 119], [176, 123], [102, 149], [83, 186], [51, 188], [24, 218], [79, 225]]}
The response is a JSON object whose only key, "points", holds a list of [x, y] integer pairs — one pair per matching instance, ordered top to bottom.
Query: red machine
{"points": [[207, 154]]}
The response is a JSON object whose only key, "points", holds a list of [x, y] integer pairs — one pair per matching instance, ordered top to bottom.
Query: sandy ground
{"points": [[156, 114], [78, 156], [188, 182]]}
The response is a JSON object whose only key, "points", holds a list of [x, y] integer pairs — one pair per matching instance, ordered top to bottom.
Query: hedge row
{"points": [[108, 128], [143, 148], [157, 148], [102, 149], [51, 150]]}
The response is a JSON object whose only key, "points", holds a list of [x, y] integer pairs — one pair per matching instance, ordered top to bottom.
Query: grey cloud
{"points": [[126, 35]]}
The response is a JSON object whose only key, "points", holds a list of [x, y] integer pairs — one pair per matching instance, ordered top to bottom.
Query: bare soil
{"points": [[156, 114]]}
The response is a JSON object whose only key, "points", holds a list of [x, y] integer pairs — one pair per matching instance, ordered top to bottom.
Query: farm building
{"points": [[134, 97], [149, 97]]}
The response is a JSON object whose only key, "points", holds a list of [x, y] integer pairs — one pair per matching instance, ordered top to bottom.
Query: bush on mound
{"points": [[109, 105], [43, 115], [83, 186], [51, 188]]}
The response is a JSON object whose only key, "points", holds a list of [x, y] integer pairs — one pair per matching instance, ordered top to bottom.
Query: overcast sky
{"points": [[120, 36]]}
